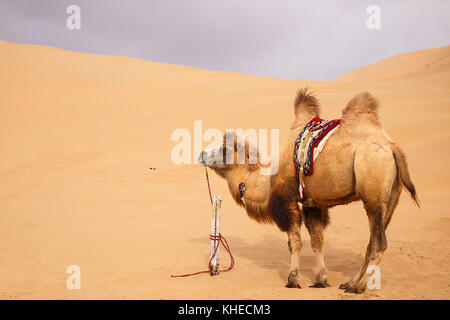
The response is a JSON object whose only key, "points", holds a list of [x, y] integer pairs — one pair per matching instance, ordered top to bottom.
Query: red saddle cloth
{"points": [[319, 128]]}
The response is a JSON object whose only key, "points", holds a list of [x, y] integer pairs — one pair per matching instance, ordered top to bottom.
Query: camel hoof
{"points": [[293, 281], [320, 284], [293, 285], [345, 286], [354, 290]]}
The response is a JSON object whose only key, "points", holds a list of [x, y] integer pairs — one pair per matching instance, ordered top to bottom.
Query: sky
{"points": [[293, 39]]}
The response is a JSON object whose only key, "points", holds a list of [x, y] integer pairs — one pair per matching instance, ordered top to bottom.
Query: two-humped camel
{"points": [[359, 162]]}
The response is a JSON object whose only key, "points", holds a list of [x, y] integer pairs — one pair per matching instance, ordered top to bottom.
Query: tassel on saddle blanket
{"points": [[309, 144]]}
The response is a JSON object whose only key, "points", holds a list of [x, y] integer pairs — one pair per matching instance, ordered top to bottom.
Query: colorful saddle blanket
{"points": [[310, 142]]}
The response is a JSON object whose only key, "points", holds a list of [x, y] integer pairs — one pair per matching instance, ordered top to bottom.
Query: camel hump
{"points": [[306, 102], [361, 103], [402, 166]]}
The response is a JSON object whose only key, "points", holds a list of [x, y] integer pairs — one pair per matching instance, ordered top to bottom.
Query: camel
{"points": [[359, 162]]}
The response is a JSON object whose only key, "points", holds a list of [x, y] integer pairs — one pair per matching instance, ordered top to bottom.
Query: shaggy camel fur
{"points": [[359, 162]]}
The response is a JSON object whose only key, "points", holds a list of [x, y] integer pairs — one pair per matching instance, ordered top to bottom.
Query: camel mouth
{"points": [[206, 157], [203, 158]]}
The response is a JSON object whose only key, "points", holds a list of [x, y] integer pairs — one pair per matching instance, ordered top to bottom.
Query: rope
{"points": [[209, 187], [220, 238], [210, 271]]}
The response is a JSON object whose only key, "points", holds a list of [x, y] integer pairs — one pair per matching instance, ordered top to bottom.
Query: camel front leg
{"points": [[287, 215], [316, 220], [295, 246]]}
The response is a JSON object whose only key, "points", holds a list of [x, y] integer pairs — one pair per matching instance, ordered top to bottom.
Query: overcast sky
{"points": [[314, 40]]}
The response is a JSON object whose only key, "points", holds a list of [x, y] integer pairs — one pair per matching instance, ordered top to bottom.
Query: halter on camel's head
{"points": [[235, 150], [235, 153]]}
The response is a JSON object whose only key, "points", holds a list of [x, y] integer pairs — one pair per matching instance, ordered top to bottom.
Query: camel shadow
{"points": [[273, 254]]}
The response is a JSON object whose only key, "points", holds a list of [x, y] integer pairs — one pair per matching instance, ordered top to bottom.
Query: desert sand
{"points": [[80, 132]]}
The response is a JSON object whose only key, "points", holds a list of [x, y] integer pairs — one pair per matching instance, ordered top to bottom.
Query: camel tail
{"points": [[306, 102], [402, 167]]}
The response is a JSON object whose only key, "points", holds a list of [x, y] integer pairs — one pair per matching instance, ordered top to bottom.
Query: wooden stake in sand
{"points": [[215, 235], [216, 239]]}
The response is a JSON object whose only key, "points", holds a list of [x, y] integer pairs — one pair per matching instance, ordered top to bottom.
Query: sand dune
{"points": [[418, 63], [79, 133]]}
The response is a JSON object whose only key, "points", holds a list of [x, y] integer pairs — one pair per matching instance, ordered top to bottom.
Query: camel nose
{"points": [[202, 157]]}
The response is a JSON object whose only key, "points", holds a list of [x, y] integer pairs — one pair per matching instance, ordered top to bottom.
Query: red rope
{"points": [[209, 187], [220, 238], [210, 271]]}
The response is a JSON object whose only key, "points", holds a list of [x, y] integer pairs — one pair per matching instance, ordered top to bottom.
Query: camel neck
{"points": [[250, 186], [243, 187]]}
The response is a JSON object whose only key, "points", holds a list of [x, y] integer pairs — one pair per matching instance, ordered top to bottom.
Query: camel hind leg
{"points": [[376, 175], [375, 249]]}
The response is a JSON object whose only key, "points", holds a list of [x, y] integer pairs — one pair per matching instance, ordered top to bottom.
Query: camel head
{"points": [[235, 152]]}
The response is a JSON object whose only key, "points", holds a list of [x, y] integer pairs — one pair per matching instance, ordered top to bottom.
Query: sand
{"points": [[80, 132]]}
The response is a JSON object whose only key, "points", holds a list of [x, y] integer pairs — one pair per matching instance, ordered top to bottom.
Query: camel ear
{"points": [[228, 136], [229, 140], [232, 140], [229, 145], [252, 152]]}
